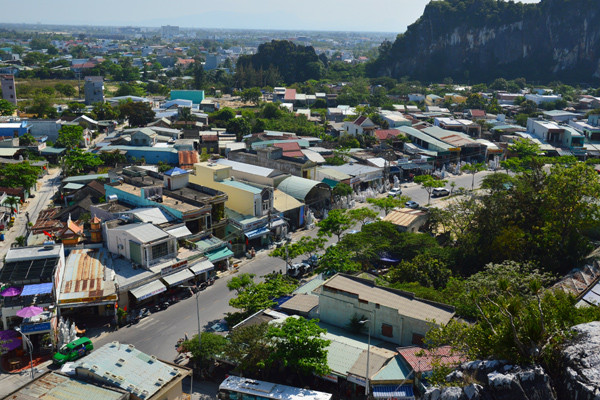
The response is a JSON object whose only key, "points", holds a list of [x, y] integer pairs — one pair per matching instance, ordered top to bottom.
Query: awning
{"points": [[330, 182], [73, 186], [276, 223], [180, 232], [257, 233], [220, 254], [202, 266], [178, 277], [40, 288], [148, 290], [10, 340], [404, 392]]}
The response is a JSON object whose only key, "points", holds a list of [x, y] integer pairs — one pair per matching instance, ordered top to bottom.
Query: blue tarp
{"points": [[257, 233], [40, 288], [404, 392]]}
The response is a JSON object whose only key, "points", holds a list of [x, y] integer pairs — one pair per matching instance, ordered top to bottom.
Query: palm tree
{"points": [[13, 202], [21, 241]]}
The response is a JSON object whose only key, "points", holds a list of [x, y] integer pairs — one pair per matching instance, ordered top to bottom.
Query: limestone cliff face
{"points": [[480, 40], [578, 377]]}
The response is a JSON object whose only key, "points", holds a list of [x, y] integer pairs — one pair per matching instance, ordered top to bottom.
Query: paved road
{"points": [[46, 187], [158, 333]]}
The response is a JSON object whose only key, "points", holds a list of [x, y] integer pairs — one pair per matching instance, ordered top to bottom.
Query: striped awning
{"points": [[403, 392]]}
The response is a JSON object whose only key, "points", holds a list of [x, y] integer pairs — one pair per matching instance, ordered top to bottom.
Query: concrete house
{"points": [[93, 88], [9, 93], [360, 126], [554, 134], [144, 137], [142, 243], [393, 315]]}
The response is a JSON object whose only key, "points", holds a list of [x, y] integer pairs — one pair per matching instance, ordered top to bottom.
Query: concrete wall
{"points": [[45, 128], [337, 309]]}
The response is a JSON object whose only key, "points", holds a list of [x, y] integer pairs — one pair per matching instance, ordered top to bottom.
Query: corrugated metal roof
{"points": [[409, 131], [314, 156], [248, 168], [334, 174], [85, 178], [243, 186], [298, 187], [283, 202], [153, 215], [404, 217], [144, 232], [180, 232], [87, 275], [178, 277], [309, 286], [301, 303], [405, 304], [378, 357], [420, 360], [396, 369], [133, 371], [53, 386]]}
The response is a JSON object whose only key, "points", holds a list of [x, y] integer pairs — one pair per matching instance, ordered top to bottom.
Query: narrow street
{"points": [[46, 187]]}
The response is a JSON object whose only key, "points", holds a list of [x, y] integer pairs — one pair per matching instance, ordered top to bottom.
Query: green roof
{"points": [[52, 151], [85, 178], [243, 186], [298, 187], [219, 254], [395, 370]]}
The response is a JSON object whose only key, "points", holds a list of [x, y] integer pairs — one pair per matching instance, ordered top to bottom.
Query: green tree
{"points": [[65, 89], [128, 89], [251, 95], [42, 105], [6, 107], [104, 112], [138, 113], [240, 127], [69, 136], [27, 140], [113, 158], [78, 161], [473, 169], [21, 175], [429, 183], [341, 190], [387, 204], [362, 215], [336, 223], [21, 241], [305, 246], [337, 259], [425, 269], [253, 297], [210, 346], [299, 346], [249, 348]]}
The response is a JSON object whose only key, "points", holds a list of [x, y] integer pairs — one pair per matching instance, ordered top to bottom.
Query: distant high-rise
{"points": [[169, 31], [94, 89], [9, 92]]}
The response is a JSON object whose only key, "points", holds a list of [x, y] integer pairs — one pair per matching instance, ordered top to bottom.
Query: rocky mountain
{"points": [[480, 40], [578, 375]]}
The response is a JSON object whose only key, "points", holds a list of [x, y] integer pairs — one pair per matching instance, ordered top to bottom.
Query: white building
{"points": [[142, 243]]}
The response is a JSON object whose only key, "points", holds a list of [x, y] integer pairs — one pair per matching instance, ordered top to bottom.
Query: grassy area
{"points": [[26, 87]]}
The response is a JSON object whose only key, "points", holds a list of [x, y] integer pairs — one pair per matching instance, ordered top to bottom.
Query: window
{"points": [[159, 250], [377, 305], [387, 330], [417, 339]]}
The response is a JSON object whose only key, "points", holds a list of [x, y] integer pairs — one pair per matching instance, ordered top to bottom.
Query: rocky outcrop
{"points": [[480, 40], [581, 371], [579, 377]]}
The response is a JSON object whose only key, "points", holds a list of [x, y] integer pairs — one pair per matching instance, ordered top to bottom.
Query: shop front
{"points": [[220, 257], [202, 270], [146, 293]]}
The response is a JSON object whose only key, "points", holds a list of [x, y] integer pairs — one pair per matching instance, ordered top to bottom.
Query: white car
{"points": [[395, 192]]}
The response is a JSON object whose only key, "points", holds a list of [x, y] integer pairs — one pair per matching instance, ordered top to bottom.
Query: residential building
{"points": [[93, 89], [9, 91], [539, 98], [561, 116], [395, 119], [360, 126], [467, 126], [14, 129], [556, 135], [144, 137], [268, 156], [242, 197], [407, 219], [142, 243], [28, 267], [393, 315], [125, 367], [56, 386]]}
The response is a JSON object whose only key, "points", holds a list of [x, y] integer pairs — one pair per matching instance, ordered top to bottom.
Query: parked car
{"points": [[395, 192], [440, 192], [411, 204], [297, 270], [72, 351]]}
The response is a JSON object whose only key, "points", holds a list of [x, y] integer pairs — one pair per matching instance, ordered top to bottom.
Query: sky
{"points": [[323, 15]]}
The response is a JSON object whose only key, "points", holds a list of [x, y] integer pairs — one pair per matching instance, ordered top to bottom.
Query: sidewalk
{"points": [[11, 382]]}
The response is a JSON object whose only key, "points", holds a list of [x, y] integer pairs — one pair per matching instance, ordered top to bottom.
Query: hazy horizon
{"points": [[350, 15]]}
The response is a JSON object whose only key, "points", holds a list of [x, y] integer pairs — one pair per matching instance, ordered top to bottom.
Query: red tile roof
{"points": [[185, 61], [290, 94], [477, 113], [360, 120], [384, 134], [288, 146], [293, 154], [422, 363]]}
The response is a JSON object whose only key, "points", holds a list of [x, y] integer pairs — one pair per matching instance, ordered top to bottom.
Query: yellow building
{"points": [[455, 98], [243, 198]]}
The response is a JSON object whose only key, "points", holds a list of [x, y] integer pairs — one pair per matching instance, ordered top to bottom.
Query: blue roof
{"points": [[176, 171], [243, 186], [257, 233], [40, 288], [404, 392]]}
